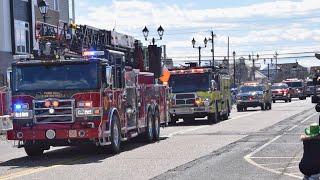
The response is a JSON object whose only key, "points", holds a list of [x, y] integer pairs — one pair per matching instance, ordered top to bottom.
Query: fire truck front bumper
{"points": [[181, 111], [52, 134]]}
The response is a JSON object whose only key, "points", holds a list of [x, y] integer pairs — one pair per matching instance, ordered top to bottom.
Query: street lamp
{"points": [[43, 8], [160, 31], [205, 41], [276, 57], [271, 60], [234, 69]]}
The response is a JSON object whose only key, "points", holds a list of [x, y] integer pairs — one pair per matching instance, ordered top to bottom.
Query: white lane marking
{"points": [[309, 117], [293, 127], [196, 128], [284, 143], [263, 146], [275, 157], [249, 158], [270, 164], [290, 167]]}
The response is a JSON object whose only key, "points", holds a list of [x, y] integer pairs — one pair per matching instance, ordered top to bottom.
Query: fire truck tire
{"points": [[173, 120], [156, 126], [149, 128], [115, 137], [33, 149]]}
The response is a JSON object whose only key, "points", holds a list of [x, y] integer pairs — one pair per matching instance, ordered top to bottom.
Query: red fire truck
{"points": [[94, 99]]}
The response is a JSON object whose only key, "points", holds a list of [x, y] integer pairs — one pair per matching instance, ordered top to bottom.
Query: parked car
{"points": [[281, 91]]}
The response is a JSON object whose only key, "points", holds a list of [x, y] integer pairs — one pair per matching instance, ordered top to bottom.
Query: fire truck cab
{"points": [[199, 92], [84, 100]]}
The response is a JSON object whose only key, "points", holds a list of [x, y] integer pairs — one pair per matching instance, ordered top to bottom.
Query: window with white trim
{"points": [[56, 5], [22, 36]]}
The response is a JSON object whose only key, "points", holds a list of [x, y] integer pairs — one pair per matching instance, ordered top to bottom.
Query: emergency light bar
{"points": [[92, 53], [189, 71]]}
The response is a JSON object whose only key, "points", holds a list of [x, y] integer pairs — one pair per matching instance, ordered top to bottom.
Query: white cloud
{"points": [[132, 16]]}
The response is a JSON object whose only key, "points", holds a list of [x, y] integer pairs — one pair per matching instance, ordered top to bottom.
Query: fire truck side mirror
{"points": [[109, 76], [9, 77], [213, 85]]}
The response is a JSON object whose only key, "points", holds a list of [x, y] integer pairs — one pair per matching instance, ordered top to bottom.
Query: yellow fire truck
{"points": [[198, 92]]}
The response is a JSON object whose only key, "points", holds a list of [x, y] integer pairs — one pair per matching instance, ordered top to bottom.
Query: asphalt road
{"points": [[250, 145]]}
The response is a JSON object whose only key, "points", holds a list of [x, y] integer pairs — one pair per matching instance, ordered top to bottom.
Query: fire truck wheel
{"points": [[212, 118], [173, 120], [156, 126], [149, 130], [115, 137], [33, 149]]}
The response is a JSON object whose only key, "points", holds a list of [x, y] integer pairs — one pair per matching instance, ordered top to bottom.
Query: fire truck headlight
{"points": [[198, 101], [206, 102], [85, 104]]}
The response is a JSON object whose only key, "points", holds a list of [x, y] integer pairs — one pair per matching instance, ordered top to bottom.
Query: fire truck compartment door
{"points": [[131, 99]]}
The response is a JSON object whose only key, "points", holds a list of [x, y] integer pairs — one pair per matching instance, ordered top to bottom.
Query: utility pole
{"points": [[212, 42], [199, 48], [276, 56], [228, 64], [254, 67], [234, 69], [268, 71]]}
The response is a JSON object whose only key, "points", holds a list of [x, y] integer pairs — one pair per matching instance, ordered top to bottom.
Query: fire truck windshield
{"points": [[41, 77], [189, 82], [294, 84], [246, 89]]}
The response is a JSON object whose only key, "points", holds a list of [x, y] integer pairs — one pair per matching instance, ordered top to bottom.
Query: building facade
{"points": [[17, 27]]}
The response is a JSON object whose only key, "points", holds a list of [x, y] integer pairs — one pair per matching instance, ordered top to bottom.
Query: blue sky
{"points": [[254, 26]]}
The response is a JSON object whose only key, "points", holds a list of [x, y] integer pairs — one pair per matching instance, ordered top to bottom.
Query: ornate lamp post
{"points": [[43, 7], [160, 31], [199, 47]]}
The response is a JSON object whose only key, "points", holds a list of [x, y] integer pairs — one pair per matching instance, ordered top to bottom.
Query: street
{"points": [[250, 145]]}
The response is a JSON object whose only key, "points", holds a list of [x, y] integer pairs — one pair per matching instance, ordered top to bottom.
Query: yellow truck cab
{"points": [[199, 92]]}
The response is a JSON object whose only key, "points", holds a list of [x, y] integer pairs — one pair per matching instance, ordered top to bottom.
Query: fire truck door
{"points": [[131, 99]]}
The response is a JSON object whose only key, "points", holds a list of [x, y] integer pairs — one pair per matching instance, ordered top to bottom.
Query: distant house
{"points": [[314, 69], [292, 70], [270, 71]]}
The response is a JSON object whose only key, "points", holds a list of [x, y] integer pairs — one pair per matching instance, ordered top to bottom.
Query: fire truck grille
{"points": [[185, 96], [185, 99], [64, 113]]}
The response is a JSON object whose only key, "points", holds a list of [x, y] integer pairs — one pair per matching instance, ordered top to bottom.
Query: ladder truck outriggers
{"points": [[69, 95]]}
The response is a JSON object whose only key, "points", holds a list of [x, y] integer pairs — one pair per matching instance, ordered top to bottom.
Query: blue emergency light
{"points": [[92, 53], [20, 106]]}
